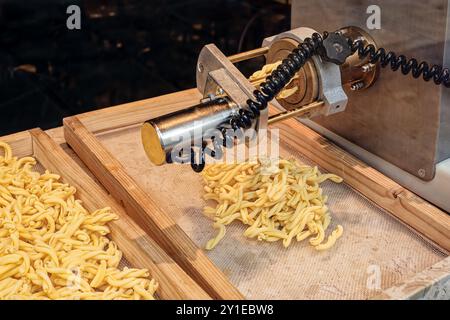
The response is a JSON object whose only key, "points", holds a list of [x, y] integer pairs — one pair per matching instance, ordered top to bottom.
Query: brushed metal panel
{"points": [[397, 119]]}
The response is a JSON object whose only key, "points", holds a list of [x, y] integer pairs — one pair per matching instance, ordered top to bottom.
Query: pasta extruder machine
{"points": [[320, 70], [330, 72]]}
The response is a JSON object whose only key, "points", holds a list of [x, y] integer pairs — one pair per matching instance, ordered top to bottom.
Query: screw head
{"points": [[338, 47], [200, 67], [367, 68], [357, 86], [421, 172]]}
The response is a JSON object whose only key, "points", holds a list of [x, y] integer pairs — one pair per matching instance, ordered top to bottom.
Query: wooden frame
{"points": [[80, 131], [146, 212], [417, 213], [138, 248], [432, 283]]}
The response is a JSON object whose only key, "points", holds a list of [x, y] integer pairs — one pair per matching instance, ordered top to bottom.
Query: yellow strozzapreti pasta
{"points": [[260, 76], [284, 204], [53, 248]]}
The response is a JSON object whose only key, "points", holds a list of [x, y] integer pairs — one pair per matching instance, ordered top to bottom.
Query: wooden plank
{"points": [[139, 111], [20, 142], [146, 212], [425, 218], [138, 248], [430, 284]]}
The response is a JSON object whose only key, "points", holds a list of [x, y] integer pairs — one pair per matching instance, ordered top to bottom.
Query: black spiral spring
{"points": [[439, 74], [268, 90]]}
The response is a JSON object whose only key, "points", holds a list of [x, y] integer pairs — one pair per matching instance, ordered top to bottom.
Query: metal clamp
{"points": [[215, 72], [329, 75]]}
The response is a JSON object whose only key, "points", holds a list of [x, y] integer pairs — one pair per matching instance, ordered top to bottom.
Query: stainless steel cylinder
{"points": [[162, 134]]}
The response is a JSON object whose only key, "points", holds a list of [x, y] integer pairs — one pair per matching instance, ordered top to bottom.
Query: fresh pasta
{"points": [[260, 76], [284, 204], [51, 247]]}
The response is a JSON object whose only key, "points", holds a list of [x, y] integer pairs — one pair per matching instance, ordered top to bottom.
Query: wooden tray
{"points": [[80, 133], [139, 249]]}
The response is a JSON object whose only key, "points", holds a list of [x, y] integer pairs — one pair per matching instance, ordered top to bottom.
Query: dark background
{"points": [[126, 50]]}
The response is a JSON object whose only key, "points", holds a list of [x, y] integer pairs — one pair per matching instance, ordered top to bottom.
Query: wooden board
{"points": [[426, 219], [138, 248], [430, 284]]}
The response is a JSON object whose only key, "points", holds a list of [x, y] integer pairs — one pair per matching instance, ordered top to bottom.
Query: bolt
{"points": [[339, 48], [200, 67], [367, 67], [357, 86], [219, 91], [205, 100], [421, 172]]}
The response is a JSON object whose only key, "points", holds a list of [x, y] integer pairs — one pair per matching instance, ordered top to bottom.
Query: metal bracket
{"points": [[215, 70], [329, 74], [219, 82]]}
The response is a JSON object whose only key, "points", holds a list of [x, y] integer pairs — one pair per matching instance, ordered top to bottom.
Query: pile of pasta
{"points": [[282, 204], [53, 248]]}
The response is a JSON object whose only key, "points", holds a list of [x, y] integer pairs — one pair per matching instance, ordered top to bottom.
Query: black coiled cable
{"points": [[439, 74], [279, 78], [268, 90]]}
